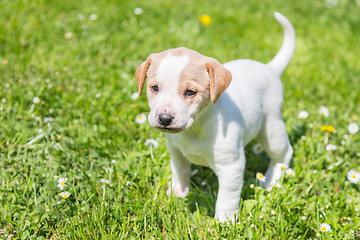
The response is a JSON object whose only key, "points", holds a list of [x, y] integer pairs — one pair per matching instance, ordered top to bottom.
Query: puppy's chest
{"points": [[196, 150]]}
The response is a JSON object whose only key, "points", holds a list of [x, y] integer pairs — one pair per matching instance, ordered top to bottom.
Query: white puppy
{"points": [[209, 112]]}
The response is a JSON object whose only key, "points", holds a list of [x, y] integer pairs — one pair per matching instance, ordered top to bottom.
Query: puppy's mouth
{"points": [[167, 123], [170, 129]]}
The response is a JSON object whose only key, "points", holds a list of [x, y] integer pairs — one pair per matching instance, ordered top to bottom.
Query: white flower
{"points": [[331, 3], [138, 11], [80, 16], [93, 16], [69, 35], [98, 95], [135, 96], [36, 100], [324, 111], [303, 115], [141, 118], [48, 119], [353, 128], [151, 142], [331, 147], [258, 148], [113, 161], [281, 166], [290, 172], [353, 176], [260, 177], [104, 181], [61, 183], [277, 185], [252, 186], [65, 194], [273, 212], [303, 218], [324, 227]]}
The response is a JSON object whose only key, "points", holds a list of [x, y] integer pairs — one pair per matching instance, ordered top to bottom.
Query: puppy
{"points": [[209, 112]]}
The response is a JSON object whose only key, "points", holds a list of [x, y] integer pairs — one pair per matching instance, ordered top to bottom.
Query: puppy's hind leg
{"points": [[275, 140]]}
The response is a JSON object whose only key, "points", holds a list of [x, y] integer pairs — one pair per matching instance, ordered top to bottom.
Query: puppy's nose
{"points": [[165, 119]]}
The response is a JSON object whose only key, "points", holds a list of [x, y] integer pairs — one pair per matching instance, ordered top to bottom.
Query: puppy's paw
{"points": [[272, 175], [268, 185], [178, 190], [226, 216]]}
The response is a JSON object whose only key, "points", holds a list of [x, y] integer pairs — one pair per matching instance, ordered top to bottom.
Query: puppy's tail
{"points": [[282, 58]]}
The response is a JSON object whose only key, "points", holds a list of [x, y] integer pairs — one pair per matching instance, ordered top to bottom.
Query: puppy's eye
{"points": [[155, 88], [190, 93]]}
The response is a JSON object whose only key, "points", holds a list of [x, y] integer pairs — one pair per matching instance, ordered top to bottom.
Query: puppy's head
{"points": [[180, 84]]}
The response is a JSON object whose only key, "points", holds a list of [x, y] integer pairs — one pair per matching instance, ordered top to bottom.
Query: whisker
{"points": [[193, 128]]}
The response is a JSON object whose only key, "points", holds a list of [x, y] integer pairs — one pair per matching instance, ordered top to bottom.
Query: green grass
{"points": [[86, 83]]}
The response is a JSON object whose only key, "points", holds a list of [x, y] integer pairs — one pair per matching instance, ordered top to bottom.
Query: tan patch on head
{"points": [[148, 68], [164, 71], [140, 74], [204, 74], [219, 76], [195, 77]]}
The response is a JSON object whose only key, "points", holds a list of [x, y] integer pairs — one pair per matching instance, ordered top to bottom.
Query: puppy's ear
{"points": [[140, 74], [220, 78]]}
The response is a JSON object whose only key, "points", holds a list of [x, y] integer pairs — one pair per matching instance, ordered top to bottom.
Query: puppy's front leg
{"points": [[180, 173], [230, 177]]}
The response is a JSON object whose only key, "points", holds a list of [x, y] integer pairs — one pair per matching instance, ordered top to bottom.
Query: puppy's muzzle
{"points": [[165, 119]]}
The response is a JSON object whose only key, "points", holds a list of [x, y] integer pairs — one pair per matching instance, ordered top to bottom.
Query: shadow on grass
{"points": [[297, 133], [203, 191]]}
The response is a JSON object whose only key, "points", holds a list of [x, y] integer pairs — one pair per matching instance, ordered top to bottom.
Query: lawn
{"points": [[67, 110]]}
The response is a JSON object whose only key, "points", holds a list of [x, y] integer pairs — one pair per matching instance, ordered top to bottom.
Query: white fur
{"points": [[250, 107]]}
